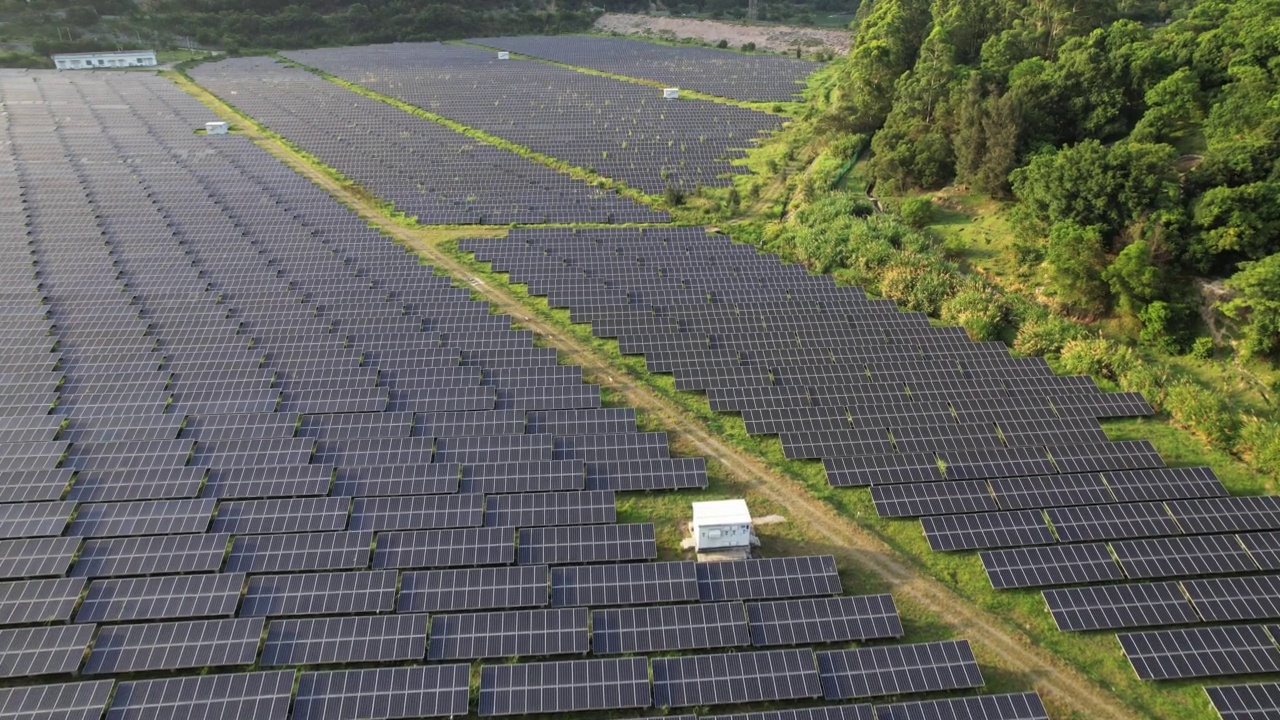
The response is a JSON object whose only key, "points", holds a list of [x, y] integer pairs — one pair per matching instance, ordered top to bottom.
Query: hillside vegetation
{"points": [[46, 26]]}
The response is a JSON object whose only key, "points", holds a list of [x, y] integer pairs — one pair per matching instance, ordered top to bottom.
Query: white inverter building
{"points": [[113, 59], [721, 524]]}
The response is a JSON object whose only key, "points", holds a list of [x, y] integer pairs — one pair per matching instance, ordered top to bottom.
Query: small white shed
{"points": [[504, 55], [113, 59], [671, 93], [215, 128], [721, 524]]}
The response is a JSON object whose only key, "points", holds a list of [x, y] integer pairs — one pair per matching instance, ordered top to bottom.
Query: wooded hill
{"points": [[1140, 151]]}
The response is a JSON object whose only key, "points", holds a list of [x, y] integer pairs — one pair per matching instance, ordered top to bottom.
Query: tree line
{"points": [[1140, 142]]}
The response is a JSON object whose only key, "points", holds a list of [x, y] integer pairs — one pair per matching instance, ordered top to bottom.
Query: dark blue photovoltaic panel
{"points": [[568, 686]]}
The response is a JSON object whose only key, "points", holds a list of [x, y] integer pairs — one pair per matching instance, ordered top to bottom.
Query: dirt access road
{"points": [[776, 38], [1063, 687]]}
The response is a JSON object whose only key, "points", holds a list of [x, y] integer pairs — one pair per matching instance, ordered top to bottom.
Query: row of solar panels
{"points": [[725, 74], [182, 644], [440, 691]]}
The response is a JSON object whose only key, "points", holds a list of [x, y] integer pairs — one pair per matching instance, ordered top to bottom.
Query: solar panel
{"points": [[935, 498], [547, 509], [417, 512], [1227, 514], [282, 515], [143, 517], [34, 519], [1111, 522], [981, 531], [586, 544], [1263, 547], [445, 548], [300, 552], [152, 555], [1181, 556], [36, 557], [1052, 565], [768, 578], [628, 584], [473, 589], [319, 593], [161, 597], [1255, 597], [24, 602], [1111, 607], [819, 620], [671, 627], [517, 633], [359, 638], [175, 645], [43, 650], [1201, 652], [897, 669], [702, 680], [565, 686], [401, 692], [259, 695], [68, 701], [1255, 701], [1019, 706], [833, 712]]}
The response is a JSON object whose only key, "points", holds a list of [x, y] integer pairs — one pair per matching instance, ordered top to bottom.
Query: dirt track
{"points": [[778, 38], [1063, 687]]}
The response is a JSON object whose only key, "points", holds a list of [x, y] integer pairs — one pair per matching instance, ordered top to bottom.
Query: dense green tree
{"points": [[883, 49], [1090, 184], [1239, 222], [1075, 258], [1134, 278], [1256, 305]]}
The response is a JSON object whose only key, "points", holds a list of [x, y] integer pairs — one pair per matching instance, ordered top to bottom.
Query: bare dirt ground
{"points": [[778, 38], [1064, 688]]}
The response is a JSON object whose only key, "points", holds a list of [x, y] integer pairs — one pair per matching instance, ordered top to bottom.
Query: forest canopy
{"points": [[1139, 143]]}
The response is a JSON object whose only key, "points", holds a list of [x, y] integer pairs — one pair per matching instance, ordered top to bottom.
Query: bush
{"points": [[722, 44], [749, 47], [673, 195], [916, 212], [918, 286], [978, 309], [1159, 327], [1045, 334], [1202, 348], [1099, 358], [1142, 378], [1202, 412], [1259, 444]]}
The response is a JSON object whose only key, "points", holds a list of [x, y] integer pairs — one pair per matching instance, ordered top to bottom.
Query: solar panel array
{"points": [[715, 72], [622, 130], [427, 170], [991, 452], [265, 464]]}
